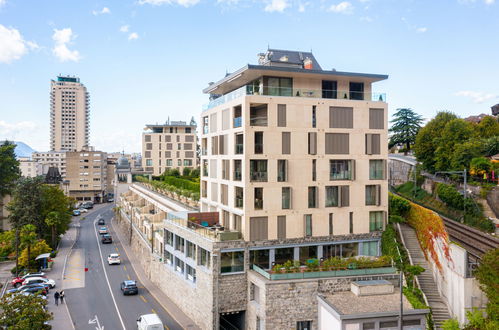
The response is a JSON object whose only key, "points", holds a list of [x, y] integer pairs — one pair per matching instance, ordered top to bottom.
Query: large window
{"points": [[278, 86], [356, 91], [340, 169], [376, 169], [258, 170], [282, 170], [371, 194], [332, 196], [312, 197], [286, 198], [375, 221], [308, 224], [179, 243], [370, 248], [191, 250], [349, 250], [329, 251], [307, 253], [283, 254], [204, 258], [260, 258], [231, 262], [191, 273]]}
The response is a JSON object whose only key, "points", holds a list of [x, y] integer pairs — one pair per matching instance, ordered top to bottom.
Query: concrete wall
{"points": [[399, 172], [459, 292]]}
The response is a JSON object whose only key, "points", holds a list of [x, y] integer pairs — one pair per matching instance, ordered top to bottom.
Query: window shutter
{"points": [[281, 115], [340, 117], [225, 119], [376, 119], [213, 123], [286, 143], [337, 143], [368, 144], [378, 194], [345, 195], [281, 227]]}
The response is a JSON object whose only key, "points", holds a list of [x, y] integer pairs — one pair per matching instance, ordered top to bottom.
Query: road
{"points": [[94, 297]]}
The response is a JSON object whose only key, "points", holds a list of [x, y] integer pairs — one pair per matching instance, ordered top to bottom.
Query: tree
{"points": [[405, 126], [488, 127], [454, 132], [426, 141], [491, 146], [464, 153], [479, 166], [9, 168], [54, 200], [53, 220], [28, 238], [39, 247], [487, 275], [21, 312]]}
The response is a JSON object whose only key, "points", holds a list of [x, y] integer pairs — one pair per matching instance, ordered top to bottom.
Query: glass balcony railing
{"points": [[296, 92], [238, 122], [239, 148], [237, 175], [258, 176], [239, 202]]}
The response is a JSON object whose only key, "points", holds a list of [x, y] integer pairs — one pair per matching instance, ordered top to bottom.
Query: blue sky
{"points": [[144, 61]]}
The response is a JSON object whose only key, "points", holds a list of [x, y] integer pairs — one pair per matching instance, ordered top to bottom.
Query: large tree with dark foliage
{"points": [[405, 126], [9, 169]]}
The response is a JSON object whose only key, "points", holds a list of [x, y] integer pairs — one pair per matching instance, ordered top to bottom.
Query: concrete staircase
{"points": [[426, 281]]}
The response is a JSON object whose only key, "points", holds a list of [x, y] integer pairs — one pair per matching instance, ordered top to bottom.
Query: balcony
{"points": [[296, 92], [238, 122], [239, 149], [237, 175], [258, 176], [239, 202], [215, 232]]}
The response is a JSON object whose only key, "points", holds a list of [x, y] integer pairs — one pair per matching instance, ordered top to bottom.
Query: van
{"points": [[149, 322]]}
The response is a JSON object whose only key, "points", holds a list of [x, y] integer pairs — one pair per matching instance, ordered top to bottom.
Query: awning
{"points": [[43, 256]]}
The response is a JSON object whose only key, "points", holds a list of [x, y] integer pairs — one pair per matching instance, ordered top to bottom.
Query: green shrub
{"points": [[181, 183], [450, 196], [397, 205], [396, 219], [415, 297], [450, 324]]}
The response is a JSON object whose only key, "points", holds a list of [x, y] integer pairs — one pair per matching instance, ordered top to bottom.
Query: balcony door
{"points": [[329, 89]]}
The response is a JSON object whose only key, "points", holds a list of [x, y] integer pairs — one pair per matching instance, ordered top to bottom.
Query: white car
{"points": [[83, 210], [103, 230], [114, 259], [34, 280]]}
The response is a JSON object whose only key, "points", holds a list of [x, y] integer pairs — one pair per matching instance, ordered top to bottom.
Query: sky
{"points": [[144, 61]]}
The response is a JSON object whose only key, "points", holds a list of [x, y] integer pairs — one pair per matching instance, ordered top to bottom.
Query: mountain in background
{"points": [[22, 149]]}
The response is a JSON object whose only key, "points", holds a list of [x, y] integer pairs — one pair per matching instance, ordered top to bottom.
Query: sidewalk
{"points": [[172, 309]]}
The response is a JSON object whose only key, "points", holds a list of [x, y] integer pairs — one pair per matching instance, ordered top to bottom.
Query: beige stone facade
{"points": [[69, 114], [168, 146], [48, 159], [29, 168], [87, 175]]}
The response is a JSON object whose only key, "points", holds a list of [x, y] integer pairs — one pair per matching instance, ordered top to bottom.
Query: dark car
{"points": [[87, 205], [101, 222], [106, 238], [43, 285], [129, 287], [31, 289]]}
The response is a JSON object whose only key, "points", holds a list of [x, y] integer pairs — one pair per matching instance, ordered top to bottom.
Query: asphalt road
{"points": [[101, 298]]}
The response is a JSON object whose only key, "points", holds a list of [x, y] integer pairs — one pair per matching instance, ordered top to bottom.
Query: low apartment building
{"points": [[168, 146], [46, 160], [294, 167], [29, 168], [87, 175]]}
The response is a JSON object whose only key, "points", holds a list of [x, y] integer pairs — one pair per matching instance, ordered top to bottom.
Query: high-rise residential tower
{"points": [[69, 114]]}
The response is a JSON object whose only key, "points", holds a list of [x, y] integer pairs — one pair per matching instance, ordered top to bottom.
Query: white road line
{"points": [[105, 273]]}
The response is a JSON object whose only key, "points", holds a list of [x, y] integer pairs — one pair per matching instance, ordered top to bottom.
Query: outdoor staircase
{"points": [[427, 283]]}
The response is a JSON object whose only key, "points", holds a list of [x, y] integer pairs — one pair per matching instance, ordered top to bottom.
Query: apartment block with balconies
{"points": [[168, 146]]}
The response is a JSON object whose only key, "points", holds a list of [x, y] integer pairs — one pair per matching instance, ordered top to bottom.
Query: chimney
{"points": [[308, 64]]}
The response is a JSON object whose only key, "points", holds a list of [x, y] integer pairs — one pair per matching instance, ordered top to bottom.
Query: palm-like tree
{"points": [[53, 220], [28, 239]]}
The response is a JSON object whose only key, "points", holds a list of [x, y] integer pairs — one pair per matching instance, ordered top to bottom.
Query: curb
{"points": [[77, 228], [137, 273]]}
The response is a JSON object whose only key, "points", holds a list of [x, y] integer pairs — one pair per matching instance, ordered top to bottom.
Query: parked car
{"points": [[110, 200], [88, 205], [83, 210], [76, 213], [101, 222], [103, 230], [106, 239], [113, 259], [33, 280], [18, 281], [44, 285], [129, 287], [31, 289], [149, 322]]}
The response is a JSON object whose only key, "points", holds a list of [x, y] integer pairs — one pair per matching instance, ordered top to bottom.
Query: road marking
{"points": [[116, 249], [124, 267], [105, 273], [128, 277], [143, 299], [94, 321], [166, 327]]}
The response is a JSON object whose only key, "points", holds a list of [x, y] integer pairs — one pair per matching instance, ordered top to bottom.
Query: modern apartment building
{"points": [[69, 114], [170, 145], [293, 151], [48, 159], [29, 168], [86, 171], [293, 172]]}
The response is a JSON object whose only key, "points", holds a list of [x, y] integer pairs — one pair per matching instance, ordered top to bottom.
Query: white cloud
{"points": [[2, 2], [228, 2], [487, 2], [490, 2], [185, 3], [277, 5], [303, 6], [344, 7], [103, 11], [124, 28], [421, 30], [133, 36], [62, 38], [12, 45], [477, 97], [10, 131]]}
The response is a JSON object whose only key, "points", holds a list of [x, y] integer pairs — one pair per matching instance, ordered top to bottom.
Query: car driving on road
{"points": [[101, 222], [103, 230], [106, 239], [113, 259], [129, 287]]}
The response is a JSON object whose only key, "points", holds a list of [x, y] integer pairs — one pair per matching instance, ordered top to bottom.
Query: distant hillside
{"points": [[22, 149]]}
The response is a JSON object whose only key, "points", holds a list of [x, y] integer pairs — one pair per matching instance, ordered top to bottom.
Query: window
{"points": [[278, 86], [329, 89], [356, 91], [258, 115], [281, 115], [314, 116], [340, 117], [376, 118], [225, 119], [213, 121], [187, 130], [147, 138], [258, 142], [223, 143], [286, 143], [312, 143], [337, 143], [372, 144], [179, 145], [214, 145], [148, 146], [239, 148], [148, 162], [169, 162], [179, 162], [187, 162], [205, 166], [282, 166], [213, 168], [226, 169], [314, 169], [341, 169], [376, 169], [237, 170], [258, 170], [204, 188], [214, 192], [224, 194], [373, 194], [332, 196], [312, 197], [258, 198], [286, 198], [238, 200], [376, 221], [351, 223], [330, 224], [308, 225], [281, 227], [258, 228], [169, 237], [179, 244], [191, 250], [349, 250], [330, 251], [307, 253], [283, 254], [204, 258], [261, 258], [231, 262], [179, 265], [191, 273], [255, 295], [388, 324], [304, 325], [368, 326]]}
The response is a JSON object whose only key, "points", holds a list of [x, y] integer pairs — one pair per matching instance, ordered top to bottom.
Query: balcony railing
{"points": [[295, 92], [258, 121], [238, 122], [239, 149], [237, 175], [258, 176], [239, 202], [214, 233]]}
